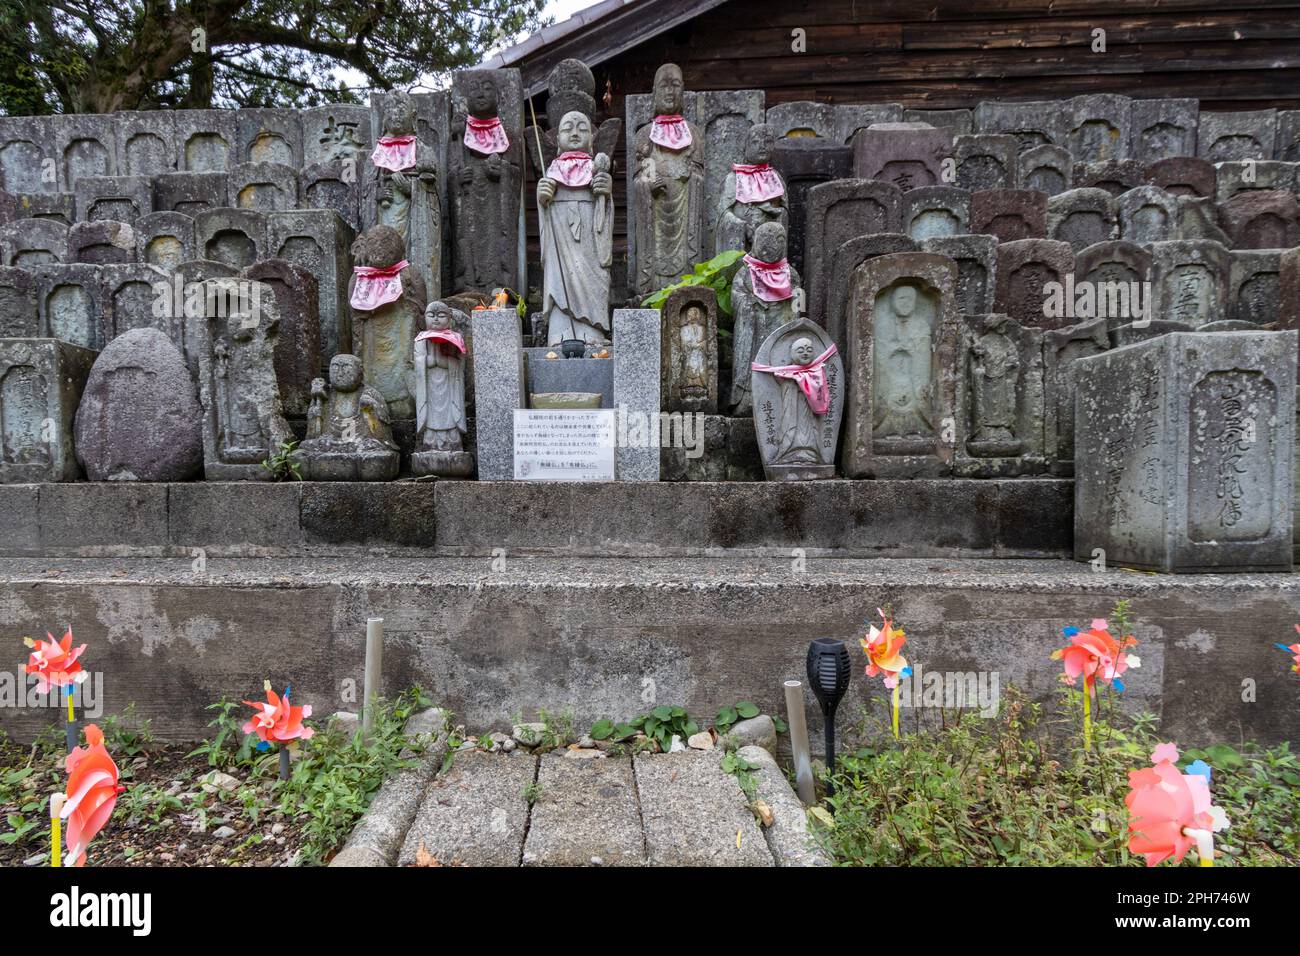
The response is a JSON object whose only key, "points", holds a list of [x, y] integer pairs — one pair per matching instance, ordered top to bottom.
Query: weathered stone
{"points": [[571, 86], [803, 119], [850, 119], [956, 122], [1032, 124], [1098, 127], [1163, 128], [336, 133], [1241, 134], [268, 136], [206, 140], [83, 142], [145, 142], [1287, 146], [906, 155], [27, 157], [986, 161], [803, 163], [1047, 168], [1115, 175], [1245, 175], [1184, 176], [484, 180], [326, 186], [265, 187], [189, 192], [120, 198], [8, 207], [58, 207], [932, 211], [837, 212], [1009, 214], [1147, 214], [1082, 217], [1199, 219], [1266, 219], [734, 220], [236, 237], [165, 239], [33, 242], [101, 242], [320, 242], [977, 258], [1120, 261], [844, 263], [1025, 268], [187, 279], [1189, 280], [1254, 286], [135, 297], [70, 304], [758, 310], [1288, 310], [18, 313], [1123, 335], [903, 336], [297, 337], [384, 337], [1061, 349], [689, 351], [498, 361], [575, 377], [41, 382], [636, 389], [999, 398], [139, 419], [243, 422], [441, 424], [349, 434], [797, 440], [1185, 456], [757, 732], [585, 811], [474, 814], [694, 814], [788, 836]]}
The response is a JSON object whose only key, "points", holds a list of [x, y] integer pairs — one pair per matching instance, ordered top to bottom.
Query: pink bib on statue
{"points": [[670, 132], [486, 136], [394, 153], [573, 169], [757, 183], [771, 280], [375, 287], [450, 336], [810, 378]]}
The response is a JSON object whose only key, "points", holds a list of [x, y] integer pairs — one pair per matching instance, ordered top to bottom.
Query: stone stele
{"points": [[796, 442]]}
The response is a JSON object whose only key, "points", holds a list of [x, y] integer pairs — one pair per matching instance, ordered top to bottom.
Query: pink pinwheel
{"points": [[882, 646], [1095, 655], [54, 662], [276, 720], [92, 793], [1170, 811]]}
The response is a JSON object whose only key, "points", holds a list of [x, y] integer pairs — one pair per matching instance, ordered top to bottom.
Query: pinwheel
{"points": [[882, 646], [1294, 651], [1095, 655], [55, 664], [277, 721], [91, 793], [1170, 811]]}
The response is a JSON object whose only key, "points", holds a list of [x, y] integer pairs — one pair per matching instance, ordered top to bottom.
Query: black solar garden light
{"points": [[828, 676]]}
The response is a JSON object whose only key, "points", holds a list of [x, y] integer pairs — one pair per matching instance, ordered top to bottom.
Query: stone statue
{"points": [[570, 86], [485, 180], [403, 190], [668, 190], [752, 194], [576, 210], [762, 299], [388, 300], [904, 330], [692, 356], [995, 364], [797, 383], [440, 424], [348, 429]]}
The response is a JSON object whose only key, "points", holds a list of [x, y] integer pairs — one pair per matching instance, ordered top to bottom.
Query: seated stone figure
{"points": [[388, 301], [440, 423], [348, 429]]}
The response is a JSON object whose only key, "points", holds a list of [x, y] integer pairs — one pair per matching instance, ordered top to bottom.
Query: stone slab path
{"points": [[677, 809]]}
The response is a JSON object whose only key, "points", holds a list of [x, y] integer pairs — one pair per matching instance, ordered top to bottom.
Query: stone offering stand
{"points": [[980, 272]]}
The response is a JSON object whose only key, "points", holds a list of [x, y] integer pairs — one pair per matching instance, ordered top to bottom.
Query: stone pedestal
{"points": [[41, 381], [498, 390], [636, 392], [1185, 453]]}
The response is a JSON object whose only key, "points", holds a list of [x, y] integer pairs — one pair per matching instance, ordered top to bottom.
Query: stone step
{"points": [[586, 814]]}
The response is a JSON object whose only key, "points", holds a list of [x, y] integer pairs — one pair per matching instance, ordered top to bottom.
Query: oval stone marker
{"points": [[139, 418]]}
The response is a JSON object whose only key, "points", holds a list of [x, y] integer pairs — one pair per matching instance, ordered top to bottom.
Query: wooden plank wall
{"points": [[941, 54]]}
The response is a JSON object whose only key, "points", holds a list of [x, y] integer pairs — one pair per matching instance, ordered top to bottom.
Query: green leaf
{"points": [[746, 709], [663, 713], [726, 717], [780, 725], [691, 728], [602, 730]]}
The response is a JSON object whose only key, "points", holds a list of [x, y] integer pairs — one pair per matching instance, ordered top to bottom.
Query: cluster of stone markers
{"points": [[181, 292]]}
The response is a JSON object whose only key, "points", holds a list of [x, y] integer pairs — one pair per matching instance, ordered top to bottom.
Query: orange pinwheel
{"points": [[882, 646], [1095, 655], [54, 662], [276, 720], [92, 793]]}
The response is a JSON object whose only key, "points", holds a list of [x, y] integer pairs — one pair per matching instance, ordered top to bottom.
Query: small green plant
{"points": [[717, 274], [283, 465], [728, 717], [665, 722], [557, 728], [609, 730], [127, 733], [229, 746], [743, 770], [532, 791]]}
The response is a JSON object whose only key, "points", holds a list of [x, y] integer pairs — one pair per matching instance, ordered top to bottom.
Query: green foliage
{"points": [[88, 56], [717, 274], [284, 465], [728, 717], [665, 722], [557, 728], [609, 730], [126, 734], [229, 746], [743, 771], [532, 790], [987, 792]]}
